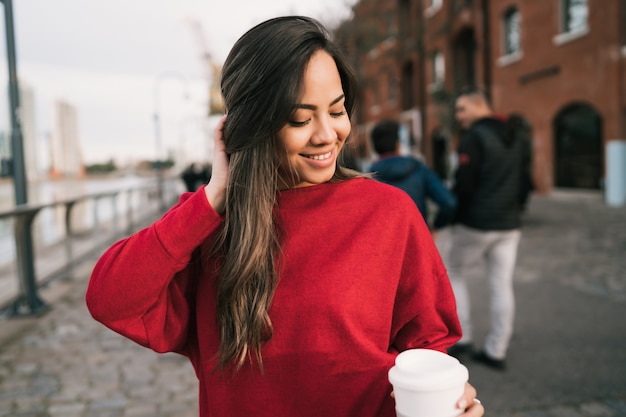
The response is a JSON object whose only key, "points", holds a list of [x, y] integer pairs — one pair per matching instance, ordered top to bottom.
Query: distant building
{"points": [[561, 64], [29, 131], [29, 136], [67, 159], [6, 164]]}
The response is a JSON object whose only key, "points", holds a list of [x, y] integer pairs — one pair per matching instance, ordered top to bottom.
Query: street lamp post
{"points": [[158, 142], [28, 302]]}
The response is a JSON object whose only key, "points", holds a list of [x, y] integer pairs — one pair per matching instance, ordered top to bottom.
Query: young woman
{"points": [[289, 282]]}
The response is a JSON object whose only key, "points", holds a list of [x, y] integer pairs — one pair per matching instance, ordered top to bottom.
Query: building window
{"points": [[431, 4], [432, 7], [574, 15], [574, 20], [512, 32], [511, 37], [438, 65]]}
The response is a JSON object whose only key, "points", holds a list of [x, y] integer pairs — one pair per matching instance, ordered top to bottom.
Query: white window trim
{"points": [[433, 9], [566, 37], [624, 51], [509, 59]]}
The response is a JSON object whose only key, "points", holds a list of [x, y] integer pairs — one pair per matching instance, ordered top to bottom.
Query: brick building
{"points": [[561, 64]]}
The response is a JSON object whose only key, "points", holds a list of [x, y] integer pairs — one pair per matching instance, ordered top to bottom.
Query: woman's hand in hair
{"points": [[216, 188]]}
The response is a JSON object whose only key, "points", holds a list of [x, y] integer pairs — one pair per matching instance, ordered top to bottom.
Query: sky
{"points": [[118, 62]]}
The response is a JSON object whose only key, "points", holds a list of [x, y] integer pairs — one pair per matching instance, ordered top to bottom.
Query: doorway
{"points": [[578, 147]]}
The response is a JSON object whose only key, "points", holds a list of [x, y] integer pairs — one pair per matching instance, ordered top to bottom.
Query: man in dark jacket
{"points": [[410, 174], [488, 181]]}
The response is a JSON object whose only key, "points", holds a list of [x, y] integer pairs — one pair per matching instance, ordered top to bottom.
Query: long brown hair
{"points": [[261, 83]]}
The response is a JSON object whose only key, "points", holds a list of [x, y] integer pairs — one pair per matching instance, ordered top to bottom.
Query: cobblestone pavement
{"points": [[567, 358], [66, 364]]}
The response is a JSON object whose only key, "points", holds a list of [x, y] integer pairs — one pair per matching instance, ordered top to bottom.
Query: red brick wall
{"points": [[584, 70], [548, 77]]}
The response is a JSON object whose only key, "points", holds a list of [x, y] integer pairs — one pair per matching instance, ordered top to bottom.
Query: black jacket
{"points": [[489, 177]]}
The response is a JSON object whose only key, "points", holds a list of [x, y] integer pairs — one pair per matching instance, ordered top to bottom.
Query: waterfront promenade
{"points": [[567, 358]]}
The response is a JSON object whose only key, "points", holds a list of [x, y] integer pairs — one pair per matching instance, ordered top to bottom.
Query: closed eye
{"points": [[295, 123]]}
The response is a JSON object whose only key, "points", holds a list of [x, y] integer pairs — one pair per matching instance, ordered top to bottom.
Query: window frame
{"points": [[433, 8], [510, 16], [567, 34], [510, 56], [439, 67]]}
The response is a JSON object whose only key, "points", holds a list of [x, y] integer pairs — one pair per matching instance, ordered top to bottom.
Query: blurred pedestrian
{"points": [[520, 128], [410, 174], [195, 175], [487, 186], [290, 282]]}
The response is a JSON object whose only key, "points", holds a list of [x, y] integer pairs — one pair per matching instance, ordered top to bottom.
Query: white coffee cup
{"points": [[427, 383]]}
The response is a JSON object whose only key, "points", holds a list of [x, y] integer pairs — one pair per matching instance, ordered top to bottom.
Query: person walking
{"points": [[410, 175], [487, 223], [290, 282]]}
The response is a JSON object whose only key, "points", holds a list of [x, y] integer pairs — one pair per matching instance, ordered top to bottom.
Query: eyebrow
{"points": [[312, 107]]}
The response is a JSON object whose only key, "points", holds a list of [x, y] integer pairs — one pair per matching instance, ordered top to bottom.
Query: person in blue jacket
{"points": [[411, 175]]}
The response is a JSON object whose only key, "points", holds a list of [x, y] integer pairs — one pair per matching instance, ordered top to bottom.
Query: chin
{"points": [[315, 180]]}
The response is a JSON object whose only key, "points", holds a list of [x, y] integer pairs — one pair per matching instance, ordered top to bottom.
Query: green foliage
{"points": [[168, 163], [102, 168]]}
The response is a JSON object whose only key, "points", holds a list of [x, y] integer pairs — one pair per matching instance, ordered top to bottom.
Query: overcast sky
{"points": [[119, 61]]}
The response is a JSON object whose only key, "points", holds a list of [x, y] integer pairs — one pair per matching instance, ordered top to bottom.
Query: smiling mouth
{"points": [[319, 157]]}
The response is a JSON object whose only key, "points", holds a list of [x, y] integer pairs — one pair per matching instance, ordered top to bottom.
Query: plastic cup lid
{"points": [[426, 370]]}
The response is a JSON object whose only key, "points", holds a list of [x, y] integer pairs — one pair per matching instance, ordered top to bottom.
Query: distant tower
{"points": [[29, 131], [29, 136], [66, 154], [5, 155]]}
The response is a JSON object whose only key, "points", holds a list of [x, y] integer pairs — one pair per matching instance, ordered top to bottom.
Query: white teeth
{"points": [[320, 157]]}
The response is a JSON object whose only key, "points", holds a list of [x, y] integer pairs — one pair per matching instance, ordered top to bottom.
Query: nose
{"points": [[324, 131]]}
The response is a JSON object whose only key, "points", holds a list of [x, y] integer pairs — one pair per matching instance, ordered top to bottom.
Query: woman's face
{"points": [[318, 126]]}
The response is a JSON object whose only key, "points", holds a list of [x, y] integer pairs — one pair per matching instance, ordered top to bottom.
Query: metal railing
{"points": [[88, 227]]}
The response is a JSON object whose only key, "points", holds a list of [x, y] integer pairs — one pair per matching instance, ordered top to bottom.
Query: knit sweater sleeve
{"points": [[140, 286], [425, 308]]}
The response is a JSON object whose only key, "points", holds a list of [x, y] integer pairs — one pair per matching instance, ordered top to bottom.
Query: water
{"points": [[49, 223]]}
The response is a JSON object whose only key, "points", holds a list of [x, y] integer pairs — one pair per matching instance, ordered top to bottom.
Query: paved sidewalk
{"points": [[568, 355], [65, 364]]}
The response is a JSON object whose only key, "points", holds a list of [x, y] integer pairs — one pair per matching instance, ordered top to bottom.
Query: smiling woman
{"points": [[319, 127], [290, 282]]}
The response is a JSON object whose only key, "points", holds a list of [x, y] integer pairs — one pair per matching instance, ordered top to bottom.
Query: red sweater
{"points": [[361, 281]]}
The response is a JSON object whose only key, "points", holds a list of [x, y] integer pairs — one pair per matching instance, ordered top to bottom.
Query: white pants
{"points": [[498, 249]]}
